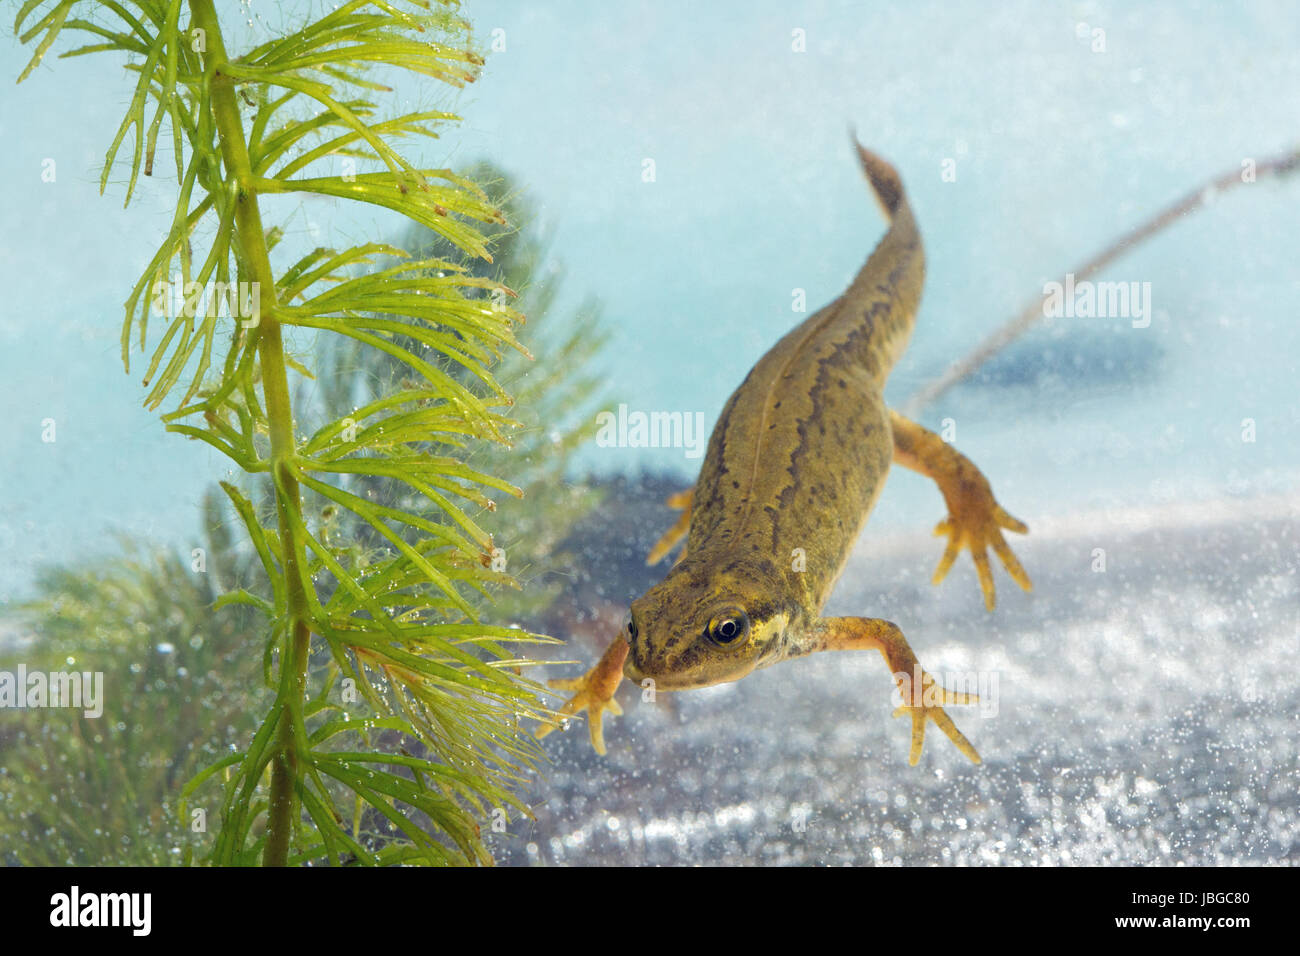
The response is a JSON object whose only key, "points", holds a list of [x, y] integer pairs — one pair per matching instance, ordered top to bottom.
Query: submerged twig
{"points": [[1016, 327]]}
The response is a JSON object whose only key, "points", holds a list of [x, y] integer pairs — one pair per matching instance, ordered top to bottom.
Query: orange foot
{"points": [[975, 521], [592, 692], [927, 704]]}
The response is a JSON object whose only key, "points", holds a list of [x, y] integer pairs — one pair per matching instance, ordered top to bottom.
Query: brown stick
{"points": [[1008, 333]]}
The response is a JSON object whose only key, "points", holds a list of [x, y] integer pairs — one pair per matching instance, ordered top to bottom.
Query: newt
{"points": [[793, 468]]}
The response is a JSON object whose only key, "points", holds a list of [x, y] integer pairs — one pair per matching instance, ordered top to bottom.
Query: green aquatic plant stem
{"points": [[279, 413], [365, 541]]}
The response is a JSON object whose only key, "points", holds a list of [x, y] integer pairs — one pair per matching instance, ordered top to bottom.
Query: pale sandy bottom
{"points": [[1146, 715]]}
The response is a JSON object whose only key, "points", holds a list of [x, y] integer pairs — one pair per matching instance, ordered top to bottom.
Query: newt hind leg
{"points": [[975, 520], [678, 531], [923, 697]]}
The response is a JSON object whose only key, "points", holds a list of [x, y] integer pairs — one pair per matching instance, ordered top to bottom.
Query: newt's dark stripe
{"points": [[803, 445]]}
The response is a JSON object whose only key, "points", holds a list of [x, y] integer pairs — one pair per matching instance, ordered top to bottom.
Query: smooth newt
{"points": [[793, 468]]}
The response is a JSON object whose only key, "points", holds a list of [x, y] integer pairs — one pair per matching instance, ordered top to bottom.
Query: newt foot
{"points": [[975, 521], [592, 692], [928, 704]]}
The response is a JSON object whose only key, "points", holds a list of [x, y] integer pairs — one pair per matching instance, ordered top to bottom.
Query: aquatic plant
{"points": [[556, 396], [395, 619], [182, 689], [85, 791]]}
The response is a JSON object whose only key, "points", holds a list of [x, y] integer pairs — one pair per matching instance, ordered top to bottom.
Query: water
{"points": [[1057, 149], [1146, 714]]}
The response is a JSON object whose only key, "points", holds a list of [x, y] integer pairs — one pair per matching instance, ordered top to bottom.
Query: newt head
{"points": [[698, 627]]}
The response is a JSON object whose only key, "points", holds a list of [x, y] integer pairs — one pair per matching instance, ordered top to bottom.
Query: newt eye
{"points": [[631, 627], [728, 629]]}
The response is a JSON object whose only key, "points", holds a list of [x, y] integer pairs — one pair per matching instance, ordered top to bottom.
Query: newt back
{"points": [[802, 447]]}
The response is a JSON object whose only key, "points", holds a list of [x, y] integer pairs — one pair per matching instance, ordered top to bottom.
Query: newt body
{"points": [[794, 466]]}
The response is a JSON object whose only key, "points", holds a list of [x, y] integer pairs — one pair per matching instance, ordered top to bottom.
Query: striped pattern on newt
{"points": [[796, 461]]}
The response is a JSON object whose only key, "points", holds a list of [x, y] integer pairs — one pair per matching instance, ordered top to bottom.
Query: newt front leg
{"points": [[975, 520], [593, 692], [923, 697]]}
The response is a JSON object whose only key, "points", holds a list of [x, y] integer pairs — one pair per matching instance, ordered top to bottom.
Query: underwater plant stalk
{"points": [[1033, 313], [279, 412]]}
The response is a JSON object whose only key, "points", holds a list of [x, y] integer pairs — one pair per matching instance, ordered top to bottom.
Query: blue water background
{"points": [[1058, 149]]}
